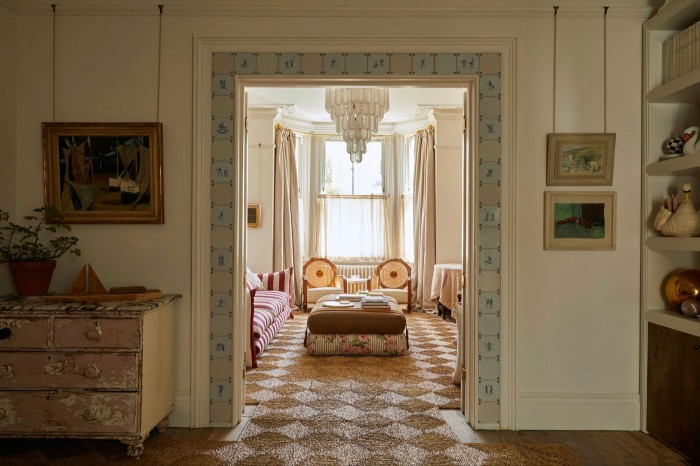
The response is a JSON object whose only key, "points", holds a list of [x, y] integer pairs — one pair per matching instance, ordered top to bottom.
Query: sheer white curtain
{"points": [[424, 217], [352, 227], [286, 242]]}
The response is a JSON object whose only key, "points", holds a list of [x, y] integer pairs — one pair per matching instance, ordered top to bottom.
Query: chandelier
{"points": [[357, 112]]}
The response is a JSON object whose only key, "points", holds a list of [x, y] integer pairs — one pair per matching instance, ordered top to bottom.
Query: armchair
{"points": [[320, 278], [393, 278]]}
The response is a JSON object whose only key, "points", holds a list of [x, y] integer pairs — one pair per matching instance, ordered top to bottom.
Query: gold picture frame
{"points": [[580, 159], [104, 172], [253, 215], [580, 220]]}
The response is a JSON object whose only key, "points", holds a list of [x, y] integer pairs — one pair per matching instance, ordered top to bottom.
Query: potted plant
{"points": [[32, 247]]}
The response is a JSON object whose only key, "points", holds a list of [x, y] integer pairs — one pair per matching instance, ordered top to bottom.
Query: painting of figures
{"points": [[580, 159], [104, 172]]}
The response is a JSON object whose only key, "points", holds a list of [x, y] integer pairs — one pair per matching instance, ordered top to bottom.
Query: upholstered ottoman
{"points": [[355, 331]]}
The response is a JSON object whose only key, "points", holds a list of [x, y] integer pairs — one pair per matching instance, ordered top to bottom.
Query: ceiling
{"points": [[309, 102]]}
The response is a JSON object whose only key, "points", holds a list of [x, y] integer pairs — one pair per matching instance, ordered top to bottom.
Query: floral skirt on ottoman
{"points": [[374, 344]]}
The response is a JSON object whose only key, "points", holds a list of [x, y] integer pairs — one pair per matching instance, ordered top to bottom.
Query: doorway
{"points": [[209, 241]]}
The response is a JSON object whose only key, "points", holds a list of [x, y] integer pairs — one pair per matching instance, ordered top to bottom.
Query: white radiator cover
{"points": [[361, 270]]}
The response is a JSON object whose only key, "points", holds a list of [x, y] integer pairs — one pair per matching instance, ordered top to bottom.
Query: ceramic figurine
{"points": [[690, 141], [674, 148], [678, 219], [691, 307]]}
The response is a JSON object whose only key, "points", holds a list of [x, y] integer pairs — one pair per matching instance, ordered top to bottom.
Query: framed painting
{"points": [[580, 159], [104, 172], [253, 215], [579, 221]]}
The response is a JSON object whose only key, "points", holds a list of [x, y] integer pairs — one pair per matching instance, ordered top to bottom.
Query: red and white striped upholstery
{"points": [[279, 281], [269, 310]]}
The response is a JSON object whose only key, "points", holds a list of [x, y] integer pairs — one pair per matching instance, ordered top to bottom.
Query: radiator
{"points": [[363, 271]]}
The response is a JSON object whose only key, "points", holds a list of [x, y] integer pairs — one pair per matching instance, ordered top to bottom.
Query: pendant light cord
{"points": [[160, 42], [605, 69], [554, 81], [53, 84]]}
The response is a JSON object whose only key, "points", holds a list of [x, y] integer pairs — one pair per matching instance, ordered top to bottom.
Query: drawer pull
{"points": [[5, 333], [94, 334], [696, 347], [6, 370], [91, 372], [90, 414]]}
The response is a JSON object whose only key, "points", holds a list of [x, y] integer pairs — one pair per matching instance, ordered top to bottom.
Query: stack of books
{"points": [[681, 53], [349, 297], [375, 302]]}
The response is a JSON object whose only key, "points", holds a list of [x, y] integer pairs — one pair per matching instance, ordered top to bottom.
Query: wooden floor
{"points": [[594, 447]]}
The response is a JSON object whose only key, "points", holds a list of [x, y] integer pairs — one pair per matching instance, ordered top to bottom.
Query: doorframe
{"points": [[204, 47]]}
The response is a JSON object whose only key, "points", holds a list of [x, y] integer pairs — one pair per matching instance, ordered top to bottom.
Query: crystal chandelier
{"points": [[357, 112]]}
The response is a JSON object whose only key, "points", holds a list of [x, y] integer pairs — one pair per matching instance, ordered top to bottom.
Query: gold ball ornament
{"points": [[682, 285]]}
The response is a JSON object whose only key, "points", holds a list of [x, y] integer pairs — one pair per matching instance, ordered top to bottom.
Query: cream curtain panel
{"points": [[424, 218], [352, 227], [286, 238]]}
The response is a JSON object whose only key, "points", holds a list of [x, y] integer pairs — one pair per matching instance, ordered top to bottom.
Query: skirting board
{"points": [[578, 411]]}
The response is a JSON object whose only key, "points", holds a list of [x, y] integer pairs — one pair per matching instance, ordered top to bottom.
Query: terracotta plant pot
{"points": [[32, 278]]}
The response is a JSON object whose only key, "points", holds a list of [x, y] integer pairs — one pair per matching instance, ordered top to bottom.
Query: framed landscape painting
{"points": [[580, 159], [104, 172], [583, 221]]}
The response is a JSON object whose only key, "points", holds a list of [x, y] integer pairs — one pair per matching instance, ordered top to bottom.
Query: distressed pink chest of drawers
{"points": [[86, 370]]}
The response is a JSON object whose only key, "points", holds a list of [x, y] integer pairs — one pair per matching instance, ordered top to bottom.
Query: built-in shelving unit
{"points": [[668, 109]]}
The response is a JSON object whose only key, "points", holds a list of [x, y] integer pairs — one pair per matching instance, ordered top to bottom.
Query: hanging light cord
{"points": [[53, 6], [160, 42], [605, 69], [554, 81]]}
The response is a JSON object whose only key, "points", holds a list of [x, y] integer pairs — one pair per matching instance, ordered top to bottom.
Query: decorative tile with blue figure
{"points": [[245, 63], [289, 63], [333, 63], [355, 63], [379, 63], [423, 63], [445, 63], [467, 63], [222, 84], [490, 85], [222, 128], [489, 128], [221, 172], [489, 172], [222, 215], [489, 215], [221, 259], [489, 259], [489, 302], [221, 303], [489, 324], [489, 345], [220, 346], [489, 368], [220, 390], [489, 390]]}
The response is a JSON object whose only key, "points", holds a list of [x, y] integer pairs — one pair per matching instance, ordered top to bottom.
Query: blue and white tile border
{"points": [[489, 66]]}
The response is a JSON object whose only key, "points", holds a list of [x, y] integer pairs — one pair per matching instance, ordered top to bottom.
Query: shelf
{"points": [[677, 15], [683, 89], [688, 165], [672, 243], [674, 320]]}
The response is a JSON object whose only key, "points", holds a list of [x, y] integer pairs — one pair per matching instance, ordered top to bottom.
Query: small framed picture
{"points": [[580, 159], [253, 215], [579, 221]]}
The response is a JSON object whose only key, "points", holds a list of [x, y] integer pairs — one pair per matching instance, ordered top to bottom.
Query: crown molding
{"points": [[11, 5], [321, 8]]}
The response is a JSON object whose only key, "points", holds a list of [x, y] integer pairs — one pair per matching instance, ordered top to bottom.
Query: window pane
{"points": [[339, 170]]}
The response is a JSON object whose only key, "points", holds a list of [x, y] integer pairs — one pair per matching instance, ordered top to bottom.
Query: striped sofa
{"points": [[270, 306]]}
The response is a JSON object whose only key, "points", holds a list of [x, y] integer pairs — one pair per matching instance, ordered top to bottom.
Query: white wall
{"points": [[8, 122], [576, 312]]}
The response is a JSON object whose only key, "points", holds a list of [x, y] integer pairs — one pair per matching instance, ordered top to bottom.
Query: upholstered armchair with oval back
{"points": [[320, 278], [393, 278]]}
